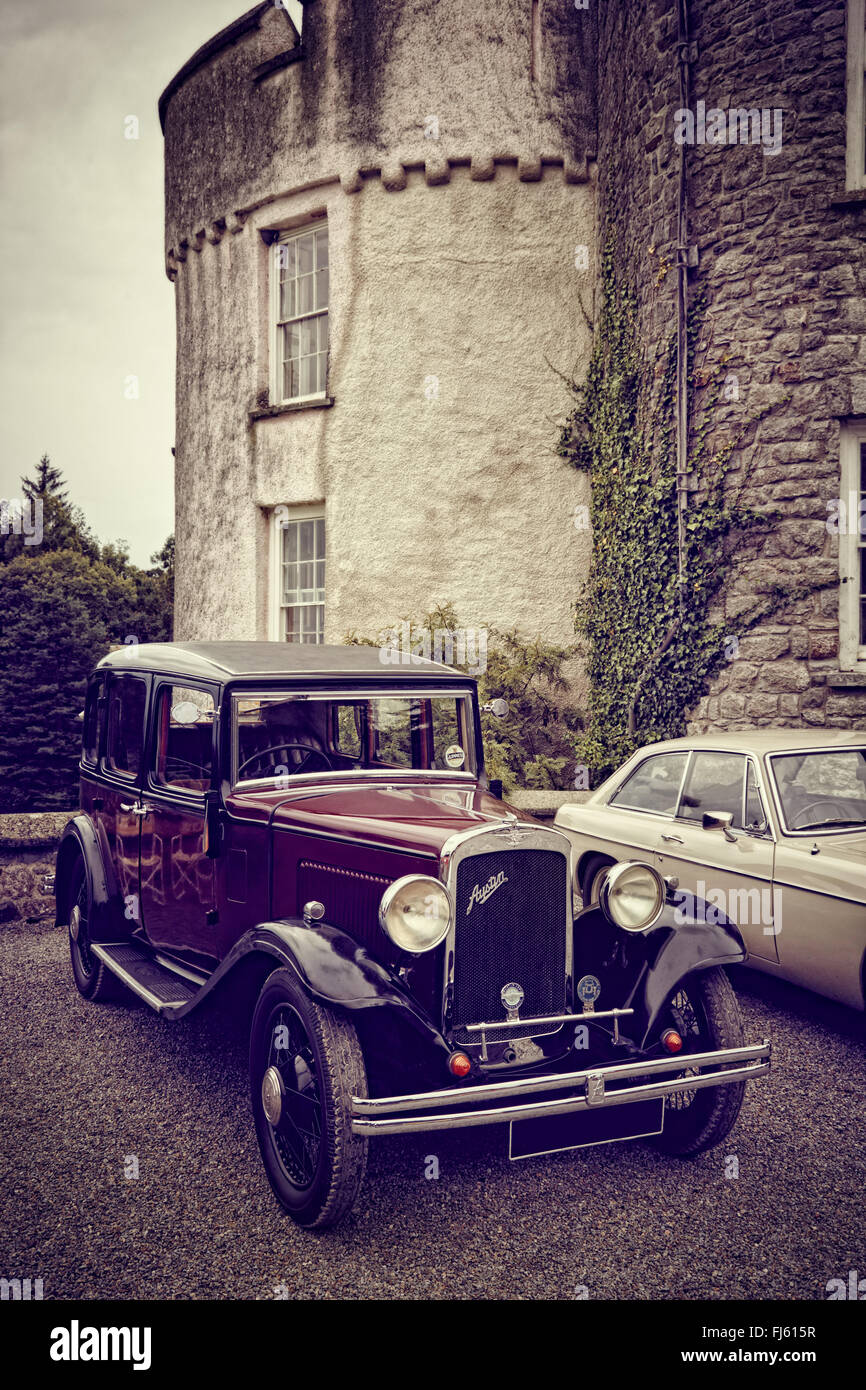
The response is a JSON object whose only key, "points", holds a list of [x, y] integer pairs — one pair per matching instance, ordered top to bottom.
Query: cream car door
{"points": [[644, 802], [733, 874]]}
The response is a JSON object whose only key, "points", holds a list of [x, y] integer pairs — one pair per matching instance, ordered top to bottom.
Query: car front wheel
{"points": [[705, 1013], [305, 1065]]}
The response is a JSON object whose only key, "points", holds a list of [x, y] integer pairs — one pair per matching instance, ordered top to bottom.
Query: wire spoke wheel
{"points": [[80, 943], [704, 1011], [685, 1020], [306, 1064], [298, 1133]]}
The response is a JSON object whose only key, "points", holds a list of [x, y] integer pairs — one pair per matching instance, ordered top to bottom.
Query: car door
{"points": [[113, 795], [645, 802], [733, 873], [177, 877]]}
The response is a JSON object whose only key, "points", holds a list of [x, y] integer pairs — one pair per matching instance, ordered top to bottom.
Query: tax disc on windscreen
{"points": [[454, 755]]}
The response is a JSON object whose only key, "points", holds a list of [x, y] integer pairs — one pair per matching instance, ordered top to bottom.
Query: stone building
{"points": [[378, 215], [382, 220], [773, 239]]}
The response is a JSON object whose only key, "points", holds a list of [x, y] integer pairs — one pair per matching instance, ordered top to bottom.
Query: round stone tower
{"points": [[380, 224]]}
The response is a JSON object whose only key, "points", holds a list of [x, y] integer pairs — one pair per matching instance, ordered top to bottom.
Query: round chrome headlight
{"points": [[632, 895], [416, 913]]}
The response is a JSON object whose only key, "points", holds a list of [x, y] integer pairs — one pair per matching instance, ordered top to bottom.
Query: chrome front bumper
{"points": [[399, 1114]]}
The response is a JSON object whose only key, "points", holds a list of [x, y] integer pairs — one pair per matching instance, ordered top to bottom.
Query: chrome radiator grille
{"points": [[510, 927]]}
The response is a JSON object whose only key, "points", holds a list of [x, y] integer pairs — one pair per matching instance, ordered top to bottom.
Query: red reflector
{"points": [[672, 1040], [459, 1064]]}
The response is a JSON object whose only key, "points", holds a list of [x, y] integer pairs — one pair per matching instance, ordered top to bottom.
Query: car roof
{"points": [[222, 661], [761, 741]]}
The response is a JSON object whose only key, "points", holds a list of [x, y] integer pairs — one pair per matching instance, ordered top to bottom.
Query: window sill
{"points": [[851, 198], [269, 412], [848, 680]]}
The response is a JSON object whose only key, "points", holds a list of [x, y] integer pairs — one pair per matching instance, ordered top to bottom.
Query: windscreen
{"points": [[280, 736]]}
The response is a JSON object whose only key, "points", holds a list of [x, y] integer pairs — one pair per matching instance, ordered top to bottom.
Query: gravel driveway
{"points": [[90, 1092]]}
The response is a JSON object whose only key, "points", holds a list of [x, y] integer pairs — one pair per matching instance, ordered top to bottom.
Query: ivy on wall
{"points": [[649, 636]]}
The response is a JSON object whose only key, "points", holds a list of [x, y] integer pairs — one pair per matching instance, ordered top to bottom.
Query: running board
{"points": [[159, 986]]}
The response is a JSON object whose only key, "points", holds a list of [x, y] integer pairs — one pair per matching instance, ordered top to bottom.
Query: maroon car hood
{"points": [[421, 816]]}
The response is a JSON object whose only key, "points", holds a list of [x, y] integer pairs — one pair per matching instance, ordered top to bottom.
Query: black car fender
{"points": [[80, 839], [689, 936], [332, 968], [641, 970]]}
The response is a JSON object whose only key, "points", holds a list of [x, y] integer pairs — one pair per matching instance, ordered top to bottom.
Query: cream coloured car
{"points": [[766, 825]]}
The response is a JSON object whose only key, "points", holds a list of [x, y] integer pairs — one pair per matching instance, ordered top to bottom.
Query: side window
{"points": [[127, 698], [94, 712], [184, 738], [714, 783], [654, 785]]}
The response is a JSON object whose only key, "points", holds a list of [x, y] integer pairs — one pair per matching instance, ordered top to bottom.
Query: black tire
{"points": [[593, 877], [92, 977], [704, 1010], [314, 1163]]}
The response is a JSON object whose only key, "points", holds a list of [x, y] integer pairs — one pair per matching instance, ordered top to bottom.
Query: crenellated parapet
{"points": [[531, 167]]}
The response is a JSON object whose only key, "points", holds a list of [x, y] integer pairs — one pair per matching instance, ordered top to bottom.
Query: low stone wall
{"points": [[544, 804], [28, 845]]}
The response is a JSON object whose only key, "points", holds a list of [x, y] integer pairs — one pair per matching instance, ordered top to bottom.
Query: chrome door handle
{"points": [[137, 808], [674, 839]]}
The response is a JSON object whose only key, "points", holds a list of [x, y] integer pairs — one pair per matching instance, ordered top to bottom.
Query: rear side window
{"points": [[127, 698], [94, 718], [654, 786]]}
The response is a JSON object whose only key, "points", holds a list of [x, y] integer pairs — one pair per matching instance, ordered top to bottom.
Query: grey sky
{"points": [[85, 302]]}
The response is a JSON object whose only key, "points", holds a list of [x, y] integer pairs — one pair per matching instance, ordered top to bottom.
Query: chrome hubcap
{"points": [[75, 922], [272, 1095]]}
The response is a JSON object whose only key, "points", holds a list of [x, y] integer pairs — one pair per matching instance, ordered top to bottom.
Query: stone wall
{"points": [[782, 263], [28, 845]]}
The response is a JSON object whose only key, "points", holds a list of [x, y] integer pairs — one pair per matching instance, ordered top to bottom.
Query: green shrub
{"points": [[533, 746]]}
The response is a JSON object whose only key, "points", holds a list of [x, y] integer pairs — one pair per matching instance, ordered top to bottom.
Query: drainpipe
{"points": [[686, 256]]}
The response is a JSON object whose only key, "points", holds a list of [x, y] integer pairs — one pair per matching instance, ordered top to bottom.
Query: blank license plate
{"points": [[553, 1133]]}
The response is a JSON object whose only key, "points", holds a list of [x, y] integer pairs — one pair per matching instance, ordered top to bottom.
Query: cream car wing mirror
{"points": [[719, 820]]}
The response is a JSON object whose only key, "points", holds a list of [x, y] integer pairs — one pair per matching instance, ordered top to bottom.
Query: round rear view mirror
{"points": [[498, 708]]}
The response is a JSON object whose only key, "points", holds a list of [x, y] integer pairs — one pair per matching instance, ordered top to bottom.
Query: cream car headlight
{"points": [[632, 895], [416, 913]]}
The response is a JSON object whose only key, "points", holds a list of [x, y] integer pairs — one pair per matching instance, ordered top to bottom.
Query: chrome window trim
{"points": [[386, 774], [777, 800], [770, 832], [483, 839]]}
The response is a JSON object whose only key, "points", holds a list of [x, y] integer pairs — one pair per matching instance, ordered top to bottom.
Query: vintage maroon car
{"points": [[312, 832]]}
